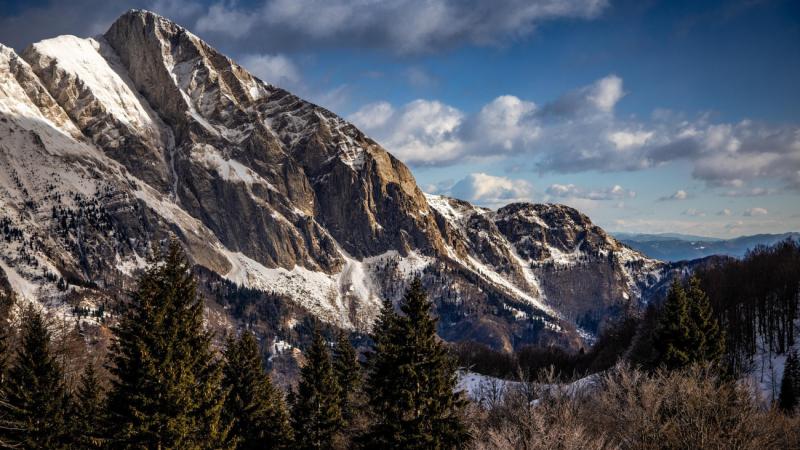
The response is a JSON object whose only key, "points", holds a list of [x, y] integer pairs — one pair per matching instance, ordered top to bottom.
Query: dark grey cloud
{"points": [[82, 18], [402, 26]]}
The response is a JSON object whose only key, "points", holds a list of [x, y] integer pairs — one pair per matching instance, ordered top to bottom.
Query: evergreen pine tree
{"points": [[6, 302], [687, 331], [673, 335], [708, 342], [348, 376], [411, 381], [166, 391], [789, 396], [36, 400], [253, 406], [87, 411], [316, 413]]}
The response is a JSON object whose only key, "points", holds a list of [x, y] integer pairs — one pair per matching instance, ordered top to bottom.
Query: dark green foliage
{"points": [[687, 331], [673, 335], [708, 342], [642, 352], [348, 376], [411, 381], [790, 384], [166, 389], [254, 407], [87, 411], [316, 412], [33, 413]]}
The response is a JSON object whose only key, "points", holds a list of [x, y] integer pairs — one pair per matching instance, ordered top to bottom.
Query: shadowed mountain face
{"points": [[113, 144]]}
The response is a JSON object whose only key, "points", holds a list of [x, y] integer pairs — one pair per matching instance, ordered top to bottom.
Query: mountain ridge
{"points": [[110, 144], [677, 248]]}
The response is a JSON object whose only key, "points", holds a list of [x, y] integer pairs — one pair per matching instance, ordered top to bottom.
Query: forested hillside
{"points": [[673, 373]]}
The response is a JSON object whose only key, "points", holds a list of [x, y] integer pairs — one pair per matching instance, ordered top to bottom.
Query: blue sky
{"points": [[649, 116]]}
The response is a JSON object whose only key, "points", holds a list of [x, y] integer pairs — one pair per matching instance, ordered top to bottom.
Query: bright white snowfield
{"points": [[82, 59], [195, 139]]}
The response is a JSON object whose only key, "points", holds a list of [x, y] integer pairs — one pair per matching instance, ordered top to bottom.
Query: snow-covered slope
{"points": [[113, 143]]}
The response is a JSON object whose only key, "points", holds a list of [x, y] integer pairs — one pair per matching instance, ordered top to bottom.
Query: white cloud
{"points": [[274, 69], [606, 92], [599, 97], [373, 116], [505, 123], [421, 132], [425, 132], [562, 136], [624, 140], [491, 191], [615, 192], [678, 195], [752, 212]]}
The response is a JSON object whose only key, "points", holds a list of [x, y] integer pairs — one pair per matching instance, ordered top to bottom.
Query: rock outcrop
{"points": [[109, 145]]}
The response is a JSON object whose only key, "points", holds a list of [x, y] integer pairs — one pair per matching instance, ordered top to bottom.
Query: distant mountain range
{"points": [[679, 247]]}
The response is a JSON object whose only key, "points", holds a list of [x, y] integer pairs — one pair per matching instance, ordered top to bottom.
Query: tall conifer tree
{"points": [[687, 331], [673, 335], [708, 342], [348, 376], [411, 381], [166, 391], [36, 400], [254, 407], [87, 411], [316, 412]]}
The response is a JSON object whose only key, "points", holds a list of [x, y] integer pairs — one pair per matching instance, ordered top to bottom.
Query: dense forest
{"points": [[756, 300], [669, 376]]}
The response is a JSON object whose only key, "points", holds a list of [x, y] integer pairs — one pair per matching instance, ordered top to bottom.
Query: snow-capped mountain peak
{"points": [[111, 143]]}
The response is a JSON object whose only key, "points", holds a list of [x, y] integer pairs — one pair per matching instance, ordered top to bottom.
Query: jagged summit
{"points": [[108, 144]]}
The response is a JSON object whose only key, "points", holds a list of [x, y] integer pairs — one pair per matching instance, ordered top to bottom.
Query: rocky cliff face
{"points": [[111, 144]]}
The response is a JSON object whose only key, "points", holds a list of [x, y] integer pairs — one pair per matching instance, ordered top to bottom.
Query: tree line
{"points": [[756, 301], [168, 388]]}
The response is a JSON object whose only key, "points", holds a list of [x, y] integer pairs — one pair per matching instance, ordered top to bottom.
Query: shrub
{"points": [[628, 408]]}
